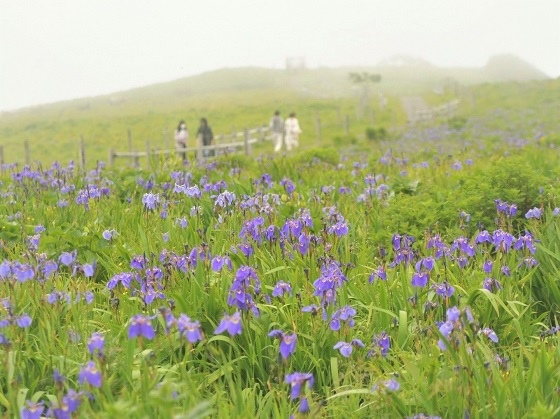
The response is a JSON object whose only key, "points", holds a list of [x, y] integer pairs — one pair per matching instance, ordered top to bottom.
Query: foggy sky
{"points": [[62, 49]]}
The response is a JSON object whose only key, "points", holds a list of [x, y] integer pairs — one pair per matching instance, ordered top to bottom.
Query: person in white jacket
{"points": [[292, 131], [182, 137]]}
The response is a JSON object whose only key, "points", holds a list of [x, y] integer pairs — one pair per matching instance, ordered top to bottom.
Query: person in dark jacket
{"points": [[206, 136]]}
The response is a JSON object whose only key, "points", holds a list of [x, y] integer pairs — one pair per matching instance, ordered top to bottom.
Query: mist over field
{"points": [[72, 49], [258, 209]]}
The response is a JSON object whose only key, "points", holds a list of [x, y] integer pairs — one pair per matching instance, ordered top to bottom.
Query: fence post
{"points": [[347, 125], [318, 127], [261, 134], [166, 137], [246, 141], [26, 150], [82, 152], [148, 152], [199, 152], [111, 157], [135, 160]]}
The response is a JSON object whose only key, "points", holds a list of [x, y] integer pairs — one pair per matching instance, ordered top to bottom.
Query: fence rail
{"points": [[446, 110], [248, 137]]}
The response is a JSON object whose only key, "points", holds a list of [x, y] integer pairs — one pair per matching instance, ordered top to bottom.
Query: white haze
{"points": [[63, 49]]}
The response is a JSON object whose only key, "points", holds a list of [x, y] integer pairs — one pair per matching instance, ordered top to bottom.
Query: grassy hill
{"points": [[232, 99]]}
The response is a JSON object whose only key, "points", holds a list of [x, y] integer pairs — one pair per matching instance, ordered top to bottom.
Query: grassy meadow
{"points": [[412, 276]]}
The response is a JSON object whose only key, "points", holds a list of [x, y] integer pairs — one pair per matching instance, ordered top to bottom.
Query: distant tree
{"points": [[364, 79]]}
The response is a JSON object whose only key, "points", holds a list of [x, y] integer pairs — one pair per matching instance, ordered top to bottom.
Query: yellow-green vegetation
{"points": [[414, 278]]}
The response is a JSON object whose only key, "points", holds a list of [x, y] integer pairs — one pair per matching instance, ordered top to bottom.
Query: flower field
{"points": [[419, 279]]}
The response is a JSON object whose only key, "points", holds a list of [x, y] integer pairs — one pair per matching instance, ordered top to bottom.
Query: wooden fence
{"points": [[446, 110], [225, 143]]}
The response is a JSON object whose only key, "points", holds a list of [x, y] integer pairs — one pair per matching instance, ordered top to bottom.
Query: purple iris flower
{"points": [[288, 185], [151, 201], [533, 213], [293, 227], [340, 229], [270, 233], [109, 234], [482, 237], [502, 240], [304, 241], [526, 241], [463, 245], [246, 249], [66, 258], [219, 261], [462, 261], [138, 262], [529, 262], [428, 263], [487, 266], [49, 267], [89, 269], [505, 270], [22, 271], [123, 278], [420, 279], [491, 285], [281, 288], [444, 289], [313, 309], [345, 314], [453, 314], [23, 321], [230, 323], [141, 326], [189, 328], [445, 329], [490, 334], [287, 342], [96, 343], [381, 345], [344, 348], [91, 374], [296, 381], [389, 385], [69, 405], [32, 410]]}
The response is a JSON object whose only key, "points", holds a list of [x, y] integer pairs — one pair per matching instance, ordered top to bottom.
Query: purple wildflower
{"points": [[230, 323], [141, 326], [189, 328], [96, 343], [91, 374]]}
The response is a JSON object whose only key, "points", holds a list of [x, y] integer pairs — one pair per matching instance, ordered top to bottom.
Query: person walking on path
{"points": [[277, 130], [292, 131], [206, 136], [182, 137]]}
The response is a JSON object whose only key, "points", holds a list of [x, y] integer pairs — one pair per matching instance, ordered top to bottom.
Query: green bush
{"points": [[373, 134], [324, 155], [510, 179]]}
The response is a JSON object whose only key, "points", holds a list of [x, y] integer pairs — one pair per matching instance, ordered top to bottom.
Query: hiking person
{"points": [[277, 130], [292, 131], [182, 137], [206, 137]]}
